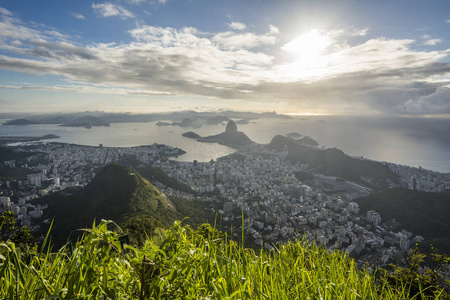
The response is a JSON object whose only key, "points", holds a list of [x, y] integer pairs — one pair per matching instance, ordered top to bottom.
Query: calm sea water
{"points": [[408, 141]]}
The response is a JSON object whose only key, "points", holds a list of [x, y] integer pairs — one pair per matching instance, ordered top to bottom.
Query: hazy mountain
{"points": [[187, 118], [19, 122], [334, 162]]}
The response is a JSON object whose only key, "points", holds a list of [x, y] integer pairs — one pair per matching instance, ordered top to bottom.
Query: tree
{"points": [[8, 225], [9, 231], [423, 282]]}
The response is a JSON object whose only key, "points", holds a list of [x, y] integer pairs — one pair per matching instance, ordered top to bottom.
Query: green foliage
{"points": [[8, 154], [15, 173], [422, 213], [7, 225], [9, 231], [186, 264], [420, 282]]}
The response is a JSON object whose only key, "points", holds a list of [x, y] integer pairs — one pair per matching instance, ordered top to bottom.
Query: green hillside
{"points": [[8, 154], [334, 162], [120, 194], [422, 213]]}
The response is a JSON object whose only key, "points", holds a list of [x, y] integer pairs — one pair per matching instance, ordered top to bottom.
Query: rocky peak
{"points": [[231, 127]]}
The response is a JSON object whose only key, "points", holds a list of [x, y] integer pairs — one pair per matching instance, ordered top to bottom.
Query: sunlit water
{"points": [[408, 141]]}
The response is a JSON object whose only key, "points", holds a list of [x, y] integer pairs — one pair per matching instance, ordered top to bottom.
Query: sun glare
{"points": [[308, 45]]}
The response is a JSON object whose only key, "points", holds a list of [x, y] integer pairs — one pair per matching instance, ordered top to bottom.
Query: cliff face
{"points": [[231, 137]]}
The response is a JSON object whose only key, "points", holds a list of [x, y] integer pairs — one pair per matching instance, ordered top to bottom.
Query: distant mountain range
{"points": [[188, 118]]}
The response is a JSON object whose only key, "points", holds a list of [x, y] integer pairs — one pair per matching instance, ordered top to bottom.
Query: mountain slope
{"points": [[335, 162], [116, 193], [422, 213]]}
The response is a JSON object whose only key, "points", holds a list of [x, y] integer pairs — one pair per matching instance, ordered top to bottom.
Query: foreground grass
{"points": [[185, 264]]}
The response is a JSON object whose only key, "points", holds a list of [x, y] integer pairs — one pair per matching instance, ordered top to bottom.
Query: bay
{"points": [[408, 141]]}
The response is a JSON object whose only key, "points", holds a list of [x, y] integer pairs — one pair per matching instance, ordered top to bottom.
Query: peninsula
{"points": [[231, 137]]}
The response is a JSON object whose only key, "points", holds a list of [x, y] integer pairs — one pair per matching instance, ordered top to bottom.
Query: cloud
{"points": [[136, 2], [108, 9], [5, 12], [78, 16], [448, 21], [237, 26], [273, 29], [231, 40], [432, 42], [60, 50], [384, 75], [87, 89], [435, 103]]}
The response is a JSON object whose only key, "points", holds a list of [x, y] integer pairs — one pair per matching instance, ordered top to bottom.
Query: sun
{"points": [[307, 46]]}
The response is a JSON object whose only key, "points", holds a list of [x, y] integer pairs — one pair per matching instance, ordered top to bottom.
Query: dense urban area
{"points": [[279, 201]]}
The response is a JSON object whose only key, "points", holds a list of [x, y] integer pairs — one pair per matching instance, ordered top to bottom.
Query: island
{"points": [[191, 134]]}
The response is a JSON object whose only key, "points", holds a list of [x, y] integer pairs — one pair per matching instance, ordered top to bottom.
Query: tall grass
{"points": [[184, 264]]}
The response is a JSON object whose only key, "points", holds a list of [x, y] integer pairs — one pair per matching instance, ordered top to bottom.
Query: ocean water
{"points": [[408, 141]]}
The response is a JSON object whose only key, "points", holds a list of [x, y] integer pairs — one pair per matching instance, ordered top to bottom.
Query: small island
{"points": [[161, 123], [191, 134]]}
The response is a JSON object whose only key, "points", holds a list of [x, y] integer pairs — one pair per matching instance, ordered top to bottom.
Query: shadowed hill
{"points": [[334, 162], [116, 193], [422, 213]]}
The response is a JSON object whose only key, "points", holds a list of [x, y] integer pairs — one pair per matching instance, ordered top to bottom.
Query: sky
{"points": [[298, 57]]}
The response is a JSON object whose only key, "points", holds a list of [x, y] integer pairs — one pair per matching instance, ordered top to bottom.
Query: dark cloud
{"points": [[59, 50]]}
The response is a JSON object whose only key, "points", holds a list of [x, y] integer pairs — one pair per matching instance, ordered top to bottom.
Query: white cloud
{"points": [[162, 1], [136, 2], [108, 9], [5, 12], [78, 16], [448, 21], [237, 26], [273, 29], [347, 32], [231, 40], [432, 42], [375, 74], [87, 89], [435, 103]]}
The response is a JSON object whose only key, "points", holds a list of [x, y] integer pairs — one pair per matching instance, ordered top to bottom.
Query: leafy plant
{"points": [[183, 263]]}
